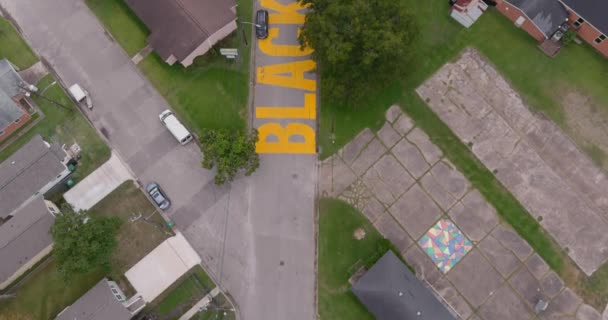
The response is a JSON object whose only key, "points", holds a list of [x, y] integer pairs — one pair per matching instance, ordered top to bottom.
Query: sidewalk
{"points": [[98, 184], [443, 227], [200, 305]]}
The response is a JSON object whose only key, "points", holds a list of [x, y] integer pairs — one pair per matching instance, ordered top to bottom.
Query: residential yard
{"points": [[122, 23], [541, 81], [211, 93], [64, 126], [341, 255], [45, 294], [182, 295], [219, 309]]}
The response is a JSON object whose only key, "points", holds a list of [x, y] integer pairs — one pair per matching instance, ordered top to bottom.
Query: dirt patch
{"points": [[587, 122], [359, 234]]}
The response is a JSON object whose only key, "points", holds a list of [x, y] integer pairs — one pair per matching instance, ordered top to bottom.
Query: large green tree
{"points": [[358, 44], [229, 151], [82, 242]]}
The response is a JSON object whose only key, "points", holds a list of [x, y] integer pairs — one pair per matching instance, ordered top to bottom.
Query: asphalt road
{"points": [[255, 236]]}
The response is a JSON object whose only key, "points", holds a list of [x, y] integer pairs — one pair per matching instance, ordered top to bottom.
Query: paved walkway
{"points": [[34, 73], [555, 181], [97, 185], [445, 228], [200, 305]]}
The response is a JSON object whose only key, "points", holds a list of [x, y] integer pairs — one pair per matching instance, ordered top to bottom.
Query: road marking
{"points": [[288, 14], [272, 49], [307, 111], [283, 135], [293, 137]]}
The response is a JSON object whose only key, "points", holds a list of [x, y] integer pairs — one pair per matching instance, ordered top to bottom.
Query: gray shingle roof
{"points": [[594, 12], [547, 15], [180, 26], [9, 88], [26, 172], [24, 236], [391, 291], [97, 304]]}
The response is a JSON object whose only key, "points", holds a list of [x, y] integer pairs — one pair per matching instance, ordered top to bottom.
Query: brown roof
{"points": [[180, 26], [24, 236]]}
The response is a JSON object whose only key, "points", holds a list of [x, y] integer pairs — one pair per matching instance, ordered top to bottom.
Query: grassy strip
{"points": [[122, 23], [13, 48], [340, 255]]}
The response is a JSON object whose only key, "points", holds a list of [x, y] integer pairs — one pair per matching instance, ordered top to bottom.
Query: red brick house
{"points": [[542, 18], [590, 20], [13, 102]]}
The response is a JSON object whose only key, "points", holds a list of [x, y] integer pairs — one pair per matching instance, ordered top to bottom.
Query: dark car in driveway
{"points": [[261, 24], [159, 197]]}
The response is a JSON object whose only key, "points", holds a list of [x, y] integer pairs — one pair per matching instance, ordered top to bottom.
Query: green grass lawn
{"points": [[122, 23], [13, 48], [539, 79], [212, 92], [64, 126], [341, 255], [45, 294], [182, 295], [219, 309]]}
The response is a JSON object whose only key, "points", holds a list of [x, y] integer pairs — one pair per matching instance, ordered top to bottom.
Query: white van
{"points": [[176, 128]]}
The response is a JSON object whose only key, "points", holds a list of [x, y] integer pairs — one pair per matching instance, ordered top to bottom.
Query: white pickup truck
{"points": [[81, 95], [176, 128]]}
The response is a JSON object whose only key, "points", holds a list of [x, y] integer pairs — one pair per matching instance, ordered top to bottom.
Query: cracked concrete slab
{"points": [[392, 113], [403, 125], [388, 135], [352, 149], [374, 150], [429, 150], [531, 157], [411, 158], [334, 177], [387, 179], [451, 179], [443, 198], [373, 209], [415, 211], [474, 216], [391, 230], [512, 241], [500, 257], [422, 264], [475, 266], [537, 266], [551, 284], [527, 287], [445, 289], [566, 303], [504, 304], [586, 312]]}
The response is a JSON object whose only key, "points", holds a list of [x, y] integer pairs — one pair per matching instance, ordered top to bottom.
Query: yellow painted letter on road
{"points": [[288, 14], [272, 49], [271, 74], [308, 111], [282, 135]]}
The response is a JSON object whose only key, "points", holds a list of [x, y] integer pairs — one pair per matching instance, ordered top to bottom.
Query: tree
{"points": [[358, 44], [229, 151], [83, 243]]}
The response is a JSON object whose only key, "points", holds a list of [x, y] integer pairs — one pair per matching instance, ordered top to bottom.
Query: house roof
{"points": [[594, 12], [547, 15], [180, 26], [9, 88], [27, 171], [24, 236], [391, 291], [97, 304]]}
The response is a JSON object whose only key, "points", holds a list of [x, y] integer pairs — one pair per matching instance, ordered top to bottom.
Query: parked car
{"points": [[261, 24], [176, 128], [159, 197]]}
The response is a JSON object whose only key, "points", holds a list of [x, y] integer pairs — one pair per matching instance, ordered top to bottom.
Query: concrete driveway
{"points": [[256, 236]]}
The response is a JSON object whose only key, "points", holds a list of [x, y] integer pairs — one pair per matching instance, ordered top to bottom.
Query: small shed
{"points": [[468, 11]]}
